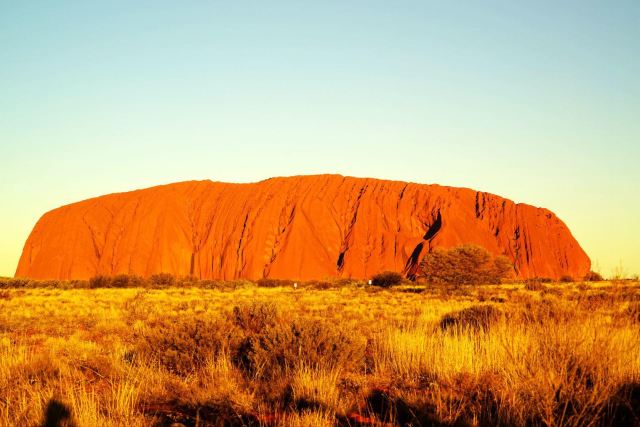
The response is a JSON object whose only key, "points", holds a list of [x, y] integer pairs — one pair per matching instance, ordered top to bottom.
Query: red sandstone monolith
{"points": [[302, 227]]}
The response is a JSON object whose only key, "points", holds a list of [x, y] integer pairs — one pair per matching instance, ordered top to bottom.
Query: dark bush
{"points": [[464, 265], [593, 276], [162, 279], [387, 279], [566, 279], [100, 281], [120, 281], [126, 281], [267, 282], [15, 283], [477, 317]]}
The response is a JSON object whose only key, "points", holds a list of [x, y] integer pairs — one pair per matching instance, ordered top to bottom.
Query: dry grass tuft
{"points": [[477, 317]]}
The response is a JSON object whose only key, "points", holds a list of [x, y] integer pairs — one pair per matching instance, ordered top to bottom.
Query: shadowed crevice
{"points": [[434, 228], [340, 262]]}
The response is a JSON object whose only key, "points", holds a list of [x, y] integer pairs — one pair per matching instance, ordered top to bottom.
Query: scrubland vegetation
{"points": [[239, 353]]}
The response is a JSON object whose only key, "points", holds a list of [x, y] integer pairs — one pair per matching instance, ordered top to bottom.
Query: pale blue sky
{"points": [[539, 103]]}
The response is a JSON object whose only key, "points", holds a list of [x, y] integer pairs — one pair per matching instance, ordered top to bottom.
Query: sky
{"points": [[538, 102]]}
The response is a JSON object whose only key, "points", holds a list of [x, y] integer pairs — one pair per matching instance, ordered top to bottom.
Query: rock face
{"points": [[303, 227]]}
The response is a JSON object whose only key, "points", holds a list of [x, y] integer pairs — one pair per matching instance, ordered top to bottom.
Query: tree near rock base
{"points": [[464, 265]]}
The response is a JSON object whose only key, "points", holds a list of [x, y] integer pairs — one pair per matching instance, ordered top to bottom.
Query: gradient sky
{"points": [[536, 102]]}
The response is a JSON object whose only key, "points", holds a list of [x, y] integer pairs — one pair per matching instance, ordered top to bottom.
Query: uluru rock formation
{"points": [[302, 227]]}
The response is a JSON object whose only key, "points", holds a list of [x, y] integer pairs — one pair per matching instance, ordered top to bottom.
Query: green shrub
{"points": [[464, 265], [387, 279]]}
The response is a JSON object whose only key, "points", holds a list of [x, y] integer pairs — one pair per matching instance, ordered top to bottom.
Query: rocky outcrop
{"points": [[303, 227]]}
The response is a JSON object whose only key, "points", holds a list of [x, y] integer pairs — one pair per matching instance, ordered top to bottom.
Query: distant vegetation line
{"points": [[460, 265], [162, 281]]}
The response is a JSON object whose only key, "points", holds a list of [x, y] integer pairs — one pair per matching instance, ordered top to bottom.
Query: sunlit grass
{"points": [[560, 355]]}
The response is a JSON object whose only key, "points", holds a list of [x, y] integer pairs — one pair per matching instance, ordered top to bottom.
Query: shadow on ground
{"points": [[56, 414]]}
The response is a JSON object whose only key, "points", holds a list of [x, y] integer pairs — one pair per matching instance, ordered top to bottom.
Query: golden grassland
{"points": [[542, 354]]}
